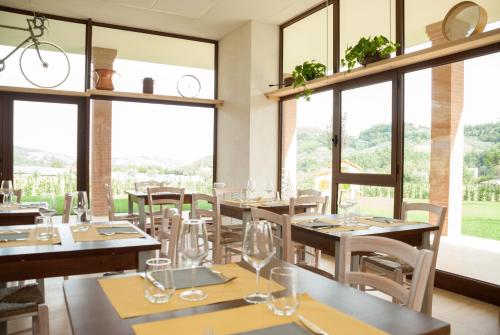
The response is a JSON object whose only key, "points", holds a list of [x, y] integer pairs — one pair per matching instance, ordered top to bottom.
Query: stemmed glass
{"points": [[251, 186], [269, 188], [6, 189], [345, 203], [80, 207], [193, 248], [257, 251]]}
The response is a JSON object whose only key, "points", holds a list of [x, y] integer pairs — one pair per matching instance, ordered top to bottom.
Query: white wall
{"points": [[248, 122]]}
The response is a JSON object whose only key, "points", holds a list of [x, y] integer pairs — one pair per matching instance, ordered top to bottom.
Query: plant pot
{"points": [[371, 59], [288, 81]]}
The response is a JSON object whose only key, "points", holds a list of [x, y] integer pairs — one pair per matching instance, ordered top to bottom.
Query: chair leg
{"points": [[317, 256], [362, 268], [398, 278], [41, 321]]}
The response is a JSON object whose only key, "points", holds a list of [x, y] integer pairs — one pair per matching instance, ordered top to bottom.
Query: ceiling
{"points": [[211, 19]]}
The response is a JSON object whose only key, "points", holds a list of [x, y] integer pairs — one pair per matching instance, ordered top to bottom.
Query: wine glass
{"points": [[251, 186], [269, 188], [6, 190], [353, 200], [345, 203], [80, 205], [48, 209], [193, 248], [257, 250]]}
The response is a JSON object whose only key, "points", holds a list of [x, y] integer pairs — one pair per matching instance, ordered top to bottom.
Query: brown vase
{"points": [[371, 59], [104, 80], [288, 81], [148, 85]]}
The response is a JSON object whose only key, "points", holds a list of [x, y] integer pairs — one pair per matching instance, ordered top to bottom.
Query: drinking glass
{"points": [[219, 185], [251, 186], [269, 188], [6, 190], [353, 200], [345, 203], [80, 206], [48, 209], [44, 229], [193, 248], [257, 250], [159, 286], [284, 301]]}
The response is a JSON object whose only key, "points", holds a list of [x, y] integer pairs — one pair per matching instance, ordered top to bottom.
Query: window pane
{"points": [[420, 14], [361, 18], [69, 36], [317, 48], [165, 59], [367, 129], [307, 143], [45, 152], [451, 158], [372, 200]]}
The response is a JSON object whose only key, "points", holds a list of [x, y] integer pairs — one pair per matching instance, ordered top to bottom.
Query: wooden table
{"points": [[229, 209], [18, 216], [417, 235], [91, 312]]}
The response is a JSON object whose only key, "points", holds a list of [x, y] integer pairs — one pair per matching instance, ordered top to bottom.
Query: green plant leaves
{"points": [[377, 46], [308, 70]]}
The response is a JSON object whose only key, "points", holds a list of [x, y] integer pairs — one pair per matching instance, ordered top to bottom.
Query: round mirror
{"points": [[464, 19]]}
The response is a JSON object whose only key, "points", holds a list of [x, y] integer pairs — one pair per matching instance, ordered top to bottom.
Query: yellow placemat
{"points": [[298, 221], [397, 223], [93, 234], [31, 239], [127, 294], [243, 319]]}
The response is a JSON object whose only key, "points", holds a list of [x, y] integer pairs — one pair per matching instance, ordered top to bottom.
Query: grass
{"points": [[479, 218]]}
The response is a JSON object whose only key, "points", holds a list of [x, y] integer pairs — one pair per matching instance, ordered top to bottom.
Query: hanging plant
{"points": [[369, 50], [305, 72]]}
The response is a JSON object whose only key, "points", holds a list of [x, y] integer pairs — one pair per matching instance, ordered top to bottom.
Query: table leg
{"points": [[130, 205], [142, 214], [247, 217], [337, 260], [41, 285], [429, 291], [3, 324]]}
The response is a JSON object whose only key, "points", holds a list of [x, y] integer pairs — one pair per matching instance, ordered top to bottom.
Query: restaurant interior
{"points": [[216, 167]]}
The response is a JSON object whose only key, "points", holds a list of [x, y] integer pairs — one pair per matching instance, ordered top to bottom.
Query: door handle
{"points": [[335, 140]]}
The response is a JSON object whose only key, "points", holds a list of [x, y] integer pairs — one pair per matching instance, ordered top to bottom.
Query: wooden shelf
{"points": [[445, 49], [28, 90], [115, 95]]}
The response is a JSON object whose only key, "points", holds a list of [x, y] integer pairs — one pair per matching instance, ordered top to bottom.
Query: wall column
{"points": [[101, 137], [447, 137], [289, 145]]}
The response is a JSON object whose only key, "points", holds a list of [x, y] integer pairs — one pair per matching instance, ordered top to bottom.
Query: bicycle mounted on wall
{"points": [[44, 64]]}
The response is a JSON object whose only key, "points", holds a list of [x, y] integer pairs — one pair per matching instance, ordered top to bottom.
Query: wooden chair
{"points": [[142, 186], [308, 192], [18, 194], [233, 194], [68, 198], [155, 199], [320, 202], [112, 216], [282, 231], [169, 234], [224, 241], [420, 260], [397, 269], [22, 302]]}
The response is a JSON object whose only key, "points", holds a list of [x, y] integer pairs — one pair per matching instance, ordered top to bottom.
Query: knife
{"points": [[311, 326]]}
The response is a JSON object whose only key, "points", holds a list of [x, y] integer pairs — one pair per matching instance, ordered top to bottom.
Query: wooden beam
{"points": [[442, 50], [28, 90]]}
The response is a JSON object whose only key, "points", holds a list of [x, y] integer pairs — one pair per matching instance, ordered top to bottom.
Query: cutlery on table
{"points": [[117, 232], [17, 239], [226, 279], [311, 326]]}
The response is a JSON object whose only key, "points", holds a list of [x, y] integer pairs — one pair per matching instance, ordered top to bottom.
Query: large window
{"points": [[69, 36], [164, 59], [452, 158]]}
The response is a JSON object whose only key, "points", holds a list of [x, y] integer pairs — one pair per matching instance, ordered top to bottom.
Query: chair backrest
{"points": [[142, 186], [308, 192], [227, 193], [18, 194], [157, 196], [68, 199], [110, 202], [320, 203], [215, 220], [169, 233], [282, 236], [420, 260]]}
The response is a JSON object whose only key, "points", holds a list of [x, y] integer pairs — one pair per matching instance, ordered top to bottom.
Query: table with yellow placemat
{"points": [[18, 214], [383, 222], [92, 234], [30, 240], [126, 294], [254, 317]]}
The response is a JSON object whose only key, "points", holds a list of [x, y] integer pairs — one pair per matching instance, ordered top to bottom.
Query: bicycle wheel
{"points": [[47, 68]]}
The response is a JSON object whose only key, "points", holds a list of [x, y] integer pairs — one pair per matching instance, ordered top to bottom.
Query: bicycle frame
{"points": [[32, 25]]}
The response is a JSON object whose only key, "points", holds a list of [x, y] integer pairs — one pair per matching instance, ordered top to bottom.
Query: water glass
{"points": [[251, 187], [269, 188], [6, 189], [346, 203], [44, 230], [193, 248], [257, 250], [159, 286], [284, 301]]}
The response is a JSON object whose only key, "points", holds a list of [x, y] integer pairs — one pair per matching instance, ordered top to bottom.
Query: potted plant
{"points": [[369, 50], [305, 72]]}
